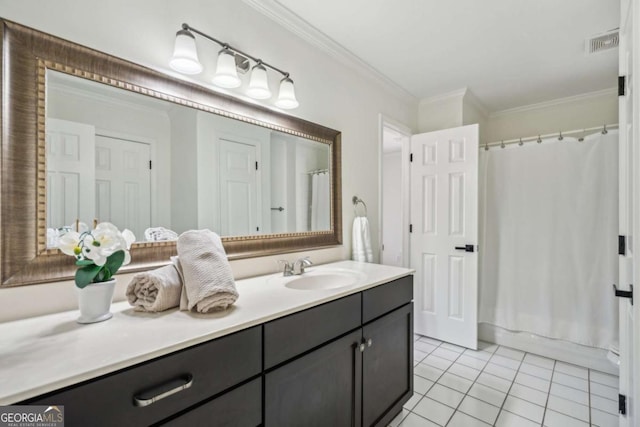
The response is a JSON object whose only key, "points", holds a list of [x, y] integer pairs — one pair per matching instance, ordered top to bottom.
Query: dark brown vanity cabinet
{"points": [[347, 362], [361, 378], [153, 391]]}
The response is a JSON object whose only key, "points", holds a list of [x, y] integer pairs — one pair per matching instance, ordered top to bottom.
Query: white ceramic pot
{"points": [[94, 301]]}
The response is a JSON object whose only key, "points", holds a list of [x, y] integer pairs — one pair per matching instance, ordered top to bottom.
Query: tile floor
{"points": [[500, 386]]}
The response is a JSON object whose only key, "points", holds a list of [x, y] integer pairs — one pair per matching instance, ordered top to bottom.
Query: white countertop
{"points": [[42, 354]]}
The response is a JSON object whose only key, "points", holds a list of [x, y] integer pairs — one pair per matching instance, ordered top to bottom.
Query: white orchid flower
{"points": [[128, 238], [69, 243], [101, 243], [97, 247]]}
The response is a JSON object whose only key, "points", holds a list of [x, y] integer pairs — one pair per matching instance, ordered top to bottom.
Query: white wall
{"points": [[330, 92], [441, 112], [576, 112], [184, 185]]}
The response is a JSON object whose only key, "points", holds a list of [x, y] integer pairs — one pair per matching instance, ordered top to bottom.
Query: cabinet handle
{"points": [[148, 397]]}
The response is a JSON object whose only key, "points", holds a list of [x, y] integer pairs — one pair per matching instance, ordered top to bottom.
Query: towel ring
{"points": [[355, 201]]}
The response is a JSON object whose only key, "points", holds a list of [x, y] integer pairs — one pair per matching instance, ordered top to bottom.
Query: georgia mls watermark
{"points": [[31, 416]]}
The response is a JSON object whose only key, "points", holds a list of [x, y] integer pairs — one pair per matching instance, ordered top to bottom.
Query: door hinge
{"points": [[622, 85], [411, 158], [149, 164], [256, 165], [410, 228], [622, 245], [624, 294], [622, 404]]}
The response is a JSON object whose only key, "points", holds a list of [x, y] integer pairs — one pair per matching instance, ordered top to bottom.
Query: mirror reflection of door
{"points": [[70, 172], [123, 183], [239, 192]]}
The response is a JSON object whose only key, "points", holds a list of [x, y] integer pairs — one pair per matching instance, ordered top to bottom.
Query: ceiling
{"points": [[509, 53]]}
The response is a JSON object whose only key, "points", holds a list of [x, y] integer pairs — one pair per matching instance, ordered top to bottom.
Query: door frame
{"points": [[389, 123], [634, 401]]}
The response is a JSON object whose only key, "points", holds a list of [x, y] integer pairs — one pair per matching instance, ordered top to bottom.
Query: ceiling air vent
{"points": [[602, 42]]}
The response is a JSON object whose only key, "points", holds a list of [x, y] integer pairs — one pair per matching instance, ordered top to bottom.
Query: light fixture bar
{"points": [[224, 45]]}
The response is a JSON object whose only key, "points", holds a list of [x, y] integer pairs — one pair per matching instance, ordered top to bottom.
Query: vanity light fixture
{"points": [[185, 60]]}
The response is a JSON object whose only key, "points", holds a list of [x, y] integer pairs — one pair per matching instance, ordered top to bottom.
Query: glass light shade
{"points": [[185, 54], [226, 75], [258, 84], [287, 95]]}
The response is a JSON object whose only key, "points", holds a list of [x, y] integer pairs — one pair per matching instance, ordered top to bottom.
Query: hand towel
{"points": [[361, 240], [208, 280], [155, 290]]}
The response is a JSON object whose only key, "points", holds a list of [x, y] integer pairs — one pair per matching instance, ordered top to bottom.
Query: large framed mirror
{"points": [[87, 136]]}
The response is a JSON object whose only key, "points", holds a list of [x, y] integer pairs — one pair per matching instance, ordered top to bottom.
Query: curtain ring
{"points": [[604, 130], [560, 137], [581, 139], [539, 140], [520, 143], [502, 144], [486, 146]]}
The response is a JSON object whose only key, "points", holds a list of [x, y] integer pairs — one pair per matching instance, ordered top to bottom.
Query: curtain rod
{"points": [[560, 135]]}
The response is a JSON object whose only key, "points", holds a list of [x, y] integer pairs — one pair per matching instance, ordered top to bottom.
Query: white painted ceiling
{"points": [[509, 53]]}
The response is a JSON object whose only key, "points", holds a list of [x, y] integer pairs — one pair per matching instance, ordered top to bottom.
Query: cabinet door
{"points": [[387, 366], [321, 388]]}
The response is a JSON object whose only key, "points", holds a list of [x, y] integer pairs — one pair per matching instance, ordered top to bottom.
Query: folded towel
{"points": [[361, 240], [207, 276], [155, 290]]}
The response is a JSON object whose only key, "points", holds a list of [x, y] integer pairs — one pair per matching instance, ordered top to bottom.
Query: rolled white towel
{"points": [[207, 276], [155, 290]]}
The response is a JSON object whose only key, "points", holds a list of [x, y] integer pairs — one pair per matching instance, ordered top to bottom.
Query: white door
{"points": [[628, 134], [70, 172], [123, 184], [239, 200], [444, 236]]}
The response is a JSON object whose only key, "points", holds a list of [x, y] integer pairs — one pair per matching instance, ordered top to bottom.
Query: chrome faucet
{"points": [[300, 264], [296, 268], [287, 269]]}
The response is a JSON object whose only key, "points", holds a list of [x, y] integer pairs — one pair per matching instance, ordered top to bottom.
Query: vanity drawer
{"points": [[384, 298], [292, 335], [116, 399], [240, 407]]}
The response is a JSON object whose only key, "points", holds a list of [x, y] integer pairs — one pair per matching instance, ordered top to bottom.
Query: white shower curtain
{"points": [[320, 205], [549, 250]]}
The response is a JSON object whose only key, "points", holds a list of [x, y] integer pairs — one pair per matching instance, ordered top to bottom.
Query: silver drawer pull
{"points": [[148, 397]]}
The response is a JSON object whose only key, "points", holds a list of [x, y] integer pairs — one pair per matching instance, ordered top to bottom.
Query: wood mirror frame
{"points": [[25, 56]]}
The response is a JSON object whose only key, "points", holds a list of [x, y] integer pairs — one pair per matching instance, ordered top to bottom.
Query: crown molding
{"points": [[298, 26], [458, 93], [555, 102]]}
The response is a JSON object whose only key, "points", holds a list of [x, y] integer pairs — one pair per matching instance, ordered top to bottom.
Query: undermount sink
{"points": [[322, 279]]}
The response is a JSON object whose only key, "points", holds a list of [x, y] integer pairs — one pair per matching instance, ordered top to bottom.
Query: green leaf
{"points": [[84, 262], [114, 262], [86, 274]]}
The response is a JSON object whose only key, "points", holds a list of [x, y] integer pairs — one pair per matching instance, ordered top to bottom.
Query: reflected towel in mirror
{"points": [[206, 273], [155, 290]]}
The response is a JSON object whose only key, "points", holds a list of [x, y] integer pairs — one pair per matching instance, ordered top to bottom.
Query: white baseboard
{"points": [[589, 357]]}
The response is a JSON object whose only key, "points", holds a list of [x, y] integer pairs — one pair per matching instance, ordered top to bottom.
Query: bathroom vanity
{"points": [[331, 347]]}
